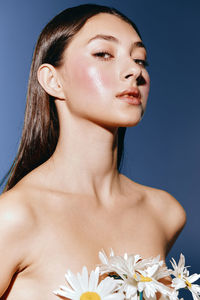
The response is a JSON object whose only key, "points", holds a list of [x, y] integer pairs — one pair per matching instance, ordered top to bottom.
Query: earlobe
{"points": [[48, 79]]}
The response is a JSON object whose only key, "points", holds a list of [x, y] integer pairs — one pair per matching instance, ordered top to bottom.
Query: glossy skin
{"points": [[102, 69], [61, 214]]}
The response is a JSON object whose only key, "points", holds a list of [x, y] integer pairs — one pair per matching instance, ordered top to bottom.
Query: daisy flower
{"points": [[129, 265], [125, 267], [179, 269], [139, 275], [183, 279], [149, 285], [87, 287]]}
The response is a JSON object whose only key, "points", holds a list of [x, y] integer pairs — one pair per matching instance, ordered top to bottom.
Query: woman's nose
{"points": [[132, 71]]}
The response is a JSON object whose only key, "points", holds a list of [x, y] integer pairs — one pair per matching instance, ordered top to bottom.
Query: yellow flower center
{"points": [[135, 276], [142, 278], [145, 279], [186, 281], [90, 296]]}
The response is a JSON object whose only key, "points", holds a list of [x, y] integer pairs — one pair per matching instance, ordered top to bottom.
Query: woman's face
{"points": [[103, 74]]}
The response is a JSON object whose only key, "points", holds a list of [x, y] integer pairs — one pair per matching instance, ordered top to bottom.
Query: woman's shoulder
{"points": [[165, 207], [172, 212], [16, 214], [17, 228]]}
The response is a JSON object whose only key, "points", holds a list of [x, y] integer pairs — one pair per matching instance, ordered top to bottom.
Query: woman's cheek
{"points": [[91, 78], [100, 80]]}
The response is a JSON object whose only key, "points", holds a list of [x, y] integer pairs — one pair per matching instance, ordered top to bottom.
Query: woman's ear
{"points": [[48, 79]]}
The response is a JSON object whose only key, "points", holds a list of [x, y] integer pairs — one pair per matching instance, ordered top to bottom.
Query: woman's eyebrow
{"points": [[104, 37], [138, 44]]}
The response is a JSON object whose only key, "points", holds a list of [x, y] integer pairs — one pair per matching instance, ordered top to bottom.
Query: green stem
{"points": [[141, 295]]}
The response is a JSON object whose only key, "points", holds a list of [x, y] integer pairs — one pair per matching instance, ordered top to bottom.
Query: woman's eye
{"points": [[103, 55], [141, 62]]}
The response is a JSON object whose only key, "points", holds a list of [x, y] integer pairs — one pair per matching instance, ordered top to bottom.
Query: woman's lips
{"points": [[131, 96], [130, 99]]}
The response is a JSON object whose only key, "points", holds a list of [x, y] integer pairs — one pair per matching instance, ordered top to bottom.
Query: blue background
{"points": [[163, 150]]}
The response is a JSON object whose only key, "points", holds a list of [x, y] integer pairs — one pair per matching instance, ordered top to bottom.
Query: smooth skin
{"points": [[61, 214]]}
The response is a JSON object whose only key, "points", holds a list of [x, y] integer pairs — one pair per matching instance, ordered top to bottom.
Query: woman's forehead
{"points": [[106, 24]]}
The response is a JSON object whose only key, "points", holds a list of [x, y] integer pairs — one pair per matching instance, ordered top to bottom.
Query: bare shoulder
{"points": [[168, 211], [171, 212], [16, 215], [16, 230]]}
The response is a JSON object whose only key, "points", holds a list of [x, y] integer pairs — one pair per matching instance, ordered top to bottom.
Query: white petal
{"points": [[112, 252], [125, 256], [103, 257], [181, 262], [173, 263], [152, 270], [161, 273], [84, 277], [193, 278], [72, 280], [93, 281], [178, 283], [106, 286], [141, 286], [65, 288], [151, 288], [196, 288], [163, 289], [130, 291], [69, 294], [116, 296], [195, 296], [149, 298]]}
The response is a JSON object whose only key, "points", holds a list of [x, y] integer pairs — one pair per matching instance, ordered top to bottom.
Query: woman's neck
{"points": [[85, 159]]}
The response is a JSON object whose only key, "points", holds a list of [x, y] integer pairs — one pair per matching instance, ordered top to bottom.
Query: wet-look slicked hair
{"points": [[41, 125]]}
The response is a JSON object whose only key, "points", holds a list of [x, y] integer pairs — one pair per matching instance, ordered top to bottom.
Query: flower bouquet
{"points": [[130, 277]]}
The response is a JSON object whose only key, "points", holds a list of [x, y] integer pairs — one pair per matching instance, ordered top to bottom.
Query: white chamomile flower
{"points": [[125, 267], [179, 269], [139, 275], [183, 279], [148, 284], [87, 287]]}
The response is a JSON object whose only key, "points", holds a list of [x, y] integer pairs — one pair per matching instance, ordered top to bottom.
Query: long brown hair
{"points": [[41, 125]]}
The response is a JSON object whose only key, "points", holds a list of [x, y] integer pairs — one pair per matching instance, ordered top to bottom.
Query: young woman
{"points": [[65, 198]]}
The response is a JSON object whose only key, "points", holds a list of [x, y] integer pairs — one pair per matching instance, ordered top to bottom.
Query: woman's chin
{"points": [[131, 120], [124, 123], [132, 123]]}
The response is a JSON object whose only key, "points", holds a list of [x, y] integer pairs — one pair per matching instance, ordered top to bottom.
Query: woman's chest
{"points": [[75, 242]]}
